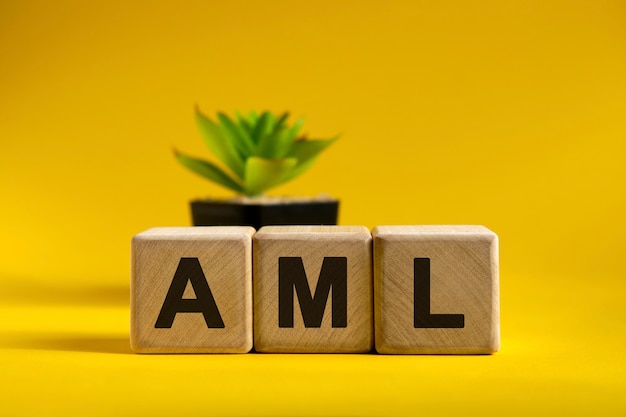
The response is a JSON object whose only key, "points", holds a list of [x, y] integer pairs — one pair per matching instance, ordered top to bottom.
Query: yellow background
{"points": [[509, 114]]}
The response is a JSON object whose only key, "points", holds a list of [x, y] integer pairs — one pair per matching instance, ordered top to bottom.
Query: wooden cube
{"points": [[313, 289], [191, 290], [436, 290]]}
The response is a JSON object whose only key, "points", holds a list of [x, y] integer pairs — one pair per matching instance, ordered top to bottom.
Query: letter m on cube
{"points": [[313, 289]]}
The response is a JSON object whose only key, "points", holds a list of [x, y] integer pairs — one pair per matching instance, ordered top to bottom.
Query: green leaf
{"points": [[253, 117], [281, 121], [244, 122], [262, 127], [293, 132], [237, 134], [284, 137], [220, 145], [275, 145], [306, 152], [209, 171], [297, 171], [263, 174]]}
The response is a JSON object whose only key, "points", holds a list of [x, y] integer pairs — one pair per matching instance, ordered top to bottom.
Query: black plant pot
{"points": [[264, 212]]}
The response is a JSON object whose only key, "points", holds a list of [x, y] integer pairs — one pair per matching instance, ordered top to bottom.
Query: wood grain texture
{"points": [[313, 244], [225, 255], [464, 279]]}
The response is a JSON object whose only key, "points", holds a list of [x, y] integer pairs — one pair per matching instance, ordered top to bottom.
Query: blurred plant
{"points": [[259, 151]]}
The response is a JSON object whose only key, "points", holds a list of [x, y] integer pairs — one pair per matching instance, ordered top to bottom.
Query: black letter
{"points": [[189, 269], [291, 275], [421, 301]]}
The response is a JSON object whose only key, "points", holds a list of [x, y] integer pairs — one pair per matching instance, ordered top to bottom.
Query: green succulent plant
{"points": [[258, 151]]}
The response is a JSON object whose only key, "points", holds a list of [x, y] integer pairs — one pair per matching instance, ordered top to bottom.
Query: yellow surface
{"points": [[509, 114]]}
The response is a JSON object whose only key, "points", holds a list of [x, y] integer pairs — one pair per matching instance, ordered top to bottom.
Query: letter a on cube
{"points": [[313, 289], [191, 290], [436, 290]]}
